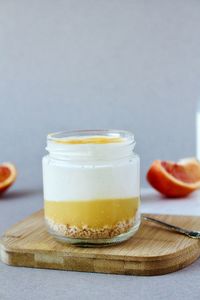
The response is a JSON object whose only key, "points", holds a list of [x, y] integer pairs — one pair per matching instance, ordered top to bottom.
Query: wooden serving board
{"points": [[152, 251]]}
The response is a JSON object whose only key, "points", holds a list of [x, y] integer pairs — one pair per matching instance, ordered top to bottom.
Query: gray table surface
{"points": [[25, 283]]}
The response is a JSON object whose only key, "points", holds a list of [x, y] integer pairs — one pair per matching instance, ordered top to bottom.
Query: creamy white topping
{"points": [[69, 182]]}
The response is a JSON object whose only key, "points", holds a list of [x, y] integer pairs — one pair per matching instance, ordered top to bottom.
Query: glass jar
{"points": [[198, 131], [91, 186]]}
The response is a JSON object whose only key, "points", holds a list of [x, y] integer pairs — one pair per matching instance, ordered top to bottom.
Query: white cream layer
{"points": [[68, 182]]}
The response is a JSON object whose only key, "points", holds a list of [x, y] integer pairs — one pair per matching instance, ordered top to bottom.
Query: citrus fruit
{"points": [[8, 175], [175, 179]]}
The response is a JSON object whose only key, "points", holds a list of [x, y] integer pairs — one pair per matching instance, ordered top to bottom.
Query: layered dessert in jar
{"points": [[91, 186]]}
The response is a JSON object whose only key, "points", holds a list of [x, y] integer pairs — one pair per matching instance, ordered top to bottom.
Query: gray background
{"points": [[95, 64], [98, 64]]}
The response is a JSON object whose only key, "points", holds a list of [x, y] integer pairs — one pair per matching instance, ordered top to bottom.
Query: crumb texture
{"points": [[87, 232]]}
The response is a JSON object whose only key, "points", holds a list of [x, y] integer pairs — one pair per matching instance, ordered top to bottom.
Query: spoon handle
{"points": [[169, 226]]}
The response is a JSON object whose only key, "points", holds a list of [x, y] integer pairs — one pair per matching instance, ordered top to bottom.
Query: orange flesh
{"points": [[91, 140], [182, 172], [4, 173], [94, 214]]}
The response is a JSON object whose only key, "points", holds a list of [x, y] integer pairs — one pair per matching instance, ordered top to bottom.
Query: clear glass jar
{"points": [[198, 131], [91, 186]]}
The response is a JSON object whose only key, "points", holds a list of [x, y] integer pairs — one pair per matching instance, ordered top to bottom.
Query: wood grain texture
{"points": [[152, 251]]}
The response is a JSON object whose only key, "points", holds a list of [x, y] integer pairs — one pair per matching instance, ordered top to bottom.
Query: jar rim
{"points": [[125, 135], [65, 145]]}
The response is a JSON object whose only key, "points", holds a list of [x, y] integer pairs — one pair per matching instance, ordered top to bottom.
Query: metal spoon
{"points": [[190, 233]]}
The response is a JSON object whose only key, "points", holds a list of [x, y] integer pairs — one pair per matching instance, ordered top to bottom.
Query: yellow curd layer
{"points": [[91, 140], [95, 213]]}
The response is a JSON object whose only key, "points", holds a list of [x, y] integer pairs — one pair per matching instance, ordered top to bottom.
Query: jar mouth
{"points": [[79, 137], [90, 144]]}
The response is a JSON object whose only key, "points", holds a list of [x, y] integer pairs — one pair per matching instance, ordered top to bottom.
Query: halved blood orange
{"points": [[8, 175], [175, 179]]}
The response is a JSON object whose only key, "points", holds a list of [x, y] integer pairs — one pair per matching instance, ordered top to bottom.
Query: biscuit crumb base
{"points": [[86, 232]]}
